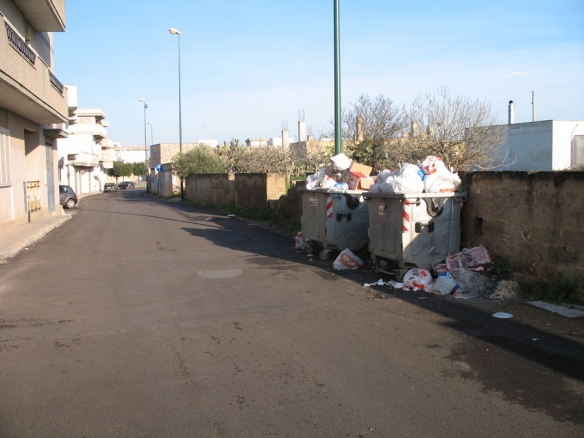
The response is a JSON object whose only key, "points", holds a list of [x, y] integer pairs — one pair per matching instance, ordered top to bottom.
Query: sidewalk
{"points": [[14, 241]]}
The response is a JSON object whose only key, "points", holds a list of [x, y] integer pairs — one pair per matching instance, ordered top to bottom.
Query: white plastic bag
{"points": [[341, 162], [434, 164], [436, 183], [299, 244], [347, 260], [418, 278], [445, 284]]}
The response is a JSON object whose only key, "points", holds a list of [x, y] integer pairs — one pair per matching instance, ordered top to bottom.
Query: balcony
{"points": [[44, 15], [27, 86], [83, 159]]}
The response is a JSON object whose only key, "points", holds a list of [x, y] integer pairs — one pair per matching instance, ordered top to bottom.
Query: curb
{"points": [[16, 248]]}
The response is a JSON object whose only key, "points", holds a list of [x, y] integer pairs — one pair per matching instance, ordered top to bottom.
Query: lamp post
{"points": [[177, 32], [513, 76], [151, 137], [145, 141], [338, 141]]}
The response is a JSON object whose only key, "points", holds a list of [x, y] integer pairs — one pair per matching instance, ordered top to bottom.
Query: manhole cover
{"points": [[227, 273]]}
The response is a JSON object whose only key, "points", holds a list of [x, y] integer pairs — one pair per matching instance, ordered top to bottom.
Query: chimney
{"points": [[511, 112], [301, 126], [414, 129], [284, 133], [360, 134]]}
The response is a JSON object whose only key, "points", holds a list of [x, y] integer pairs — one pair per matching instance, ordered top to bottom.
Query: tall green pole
{"points": [[338, 140]]}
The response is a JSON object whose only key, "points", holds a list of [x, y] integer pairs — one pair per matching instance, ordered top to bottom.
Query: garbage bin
{"points": [[334, 221], [414, 229]]}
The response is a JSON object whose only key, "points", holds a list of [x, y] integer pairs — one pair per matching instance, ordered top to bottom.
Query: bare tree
{"points": [[370, 127], [462, 131]]}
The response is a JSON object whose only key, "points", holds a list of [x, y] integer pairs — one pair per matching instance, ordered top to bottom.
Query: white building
{"points": [[275, 141], [251, 142], [545, 145], [87, 153], [130, 154]]}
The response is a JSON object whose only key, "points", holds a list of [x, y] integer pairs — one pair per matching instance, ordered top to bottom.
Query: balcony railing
{"points": [[20, 45], [55, 83]]}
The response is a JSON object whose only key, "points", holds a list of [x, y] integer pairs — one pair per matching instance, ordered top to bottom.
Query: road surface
{"points": [[144, 318]]}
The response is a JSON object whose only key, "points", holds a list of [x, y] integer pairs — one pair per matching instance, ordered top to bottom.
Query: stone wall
{"points": [[210, 189], [253, 190], [288, 208], [533, 220]]}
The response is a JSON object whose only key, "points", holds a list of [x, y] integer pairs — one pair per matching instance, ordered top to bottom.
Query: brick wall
{"points": [[533, 220]]}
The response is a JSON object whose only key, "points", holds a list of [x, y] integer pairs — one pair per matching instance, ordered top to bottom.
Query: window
{"points": [[5, 171]]}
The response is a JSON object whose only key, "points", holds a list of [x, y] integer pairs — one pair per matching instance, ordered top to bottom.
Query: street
{"points": [[145, 318]]}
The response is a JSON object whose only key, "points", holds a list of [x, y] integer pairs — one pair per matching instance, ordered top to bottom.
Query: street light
{"points": [[337, 29], [177, 32], [513, 76], [151, 137], [145, 141]]}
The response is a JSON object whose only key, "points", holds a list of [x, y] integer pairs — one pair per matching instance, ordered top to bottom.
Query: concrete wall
{"points": [[210, 189], [253, 190], [535, 221]]}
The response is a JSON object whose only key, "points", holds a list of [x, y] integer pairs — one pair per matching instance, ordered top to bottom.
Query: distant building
{"points": [[33, 111], [275, 141], [251, 142], [544, 145], [86, 154], [130, 154]]}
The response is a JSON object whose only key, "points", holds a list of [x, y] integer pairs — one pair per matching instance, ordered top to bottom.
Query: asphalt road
{"points": [[144, 318]]}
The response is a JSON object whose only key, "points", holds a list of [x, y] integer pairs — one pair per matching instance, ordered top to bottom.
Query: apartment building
{"points": [[33, 110], [87, 154]]}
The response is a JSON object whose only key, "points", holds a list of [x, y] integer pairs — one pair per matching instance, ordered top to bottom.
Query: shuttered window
{"points": [[5, 172]]}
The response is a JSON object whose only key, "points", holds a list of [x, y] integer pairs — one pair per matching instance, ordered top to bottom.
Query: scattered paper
{"points": [[379, 282], [396, 285]]}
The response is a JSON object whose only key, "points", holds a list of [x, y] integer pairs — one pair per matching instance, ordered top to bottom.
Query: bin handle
{"points": [[352, 201], [340, 216]]}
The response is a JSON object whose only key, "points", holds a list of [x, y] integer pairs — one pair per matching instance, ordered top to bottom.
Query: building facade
{"points": [[33, 111], [544, 145], [86, 154]]}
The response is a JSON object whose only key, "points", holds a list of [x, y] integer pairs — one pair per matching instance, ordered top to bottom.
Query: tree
{"points": [[370, 127], [462, 131], [200, 159], [121, 169], [140, 169]]}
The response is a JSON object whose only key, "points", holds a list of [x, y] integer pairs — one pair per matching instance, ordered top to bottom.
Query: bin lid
{"points": [[340, 192], [414, 195]]}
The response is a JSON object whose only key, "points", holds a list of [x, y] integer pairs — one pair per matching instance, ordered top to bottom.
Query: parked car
{"points": [[126, 185], [110, 187], [67, 196]]}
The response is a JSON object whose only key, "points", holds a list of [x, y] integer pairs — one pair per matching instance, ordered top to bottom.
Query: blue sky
{"points": [[248, 65]]}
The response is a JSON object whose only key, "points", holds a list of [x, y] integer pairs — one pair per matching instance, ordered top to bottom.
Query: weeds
{"points": [[499, 270], [560, 289]]}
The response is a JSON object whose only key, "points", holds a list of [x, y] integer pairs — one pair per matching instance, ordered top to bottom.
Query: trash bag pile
{"points": [[341, 174], [431, 176]]}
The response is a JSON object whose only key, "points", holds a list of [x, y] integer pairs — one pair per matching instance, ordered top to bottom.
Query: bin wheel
{"points": [[308, 247], [324, 254]]}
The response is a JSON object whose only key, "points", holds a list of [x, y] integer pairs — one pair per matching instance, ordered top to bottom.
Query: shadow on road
{"points": [[534, 361]]}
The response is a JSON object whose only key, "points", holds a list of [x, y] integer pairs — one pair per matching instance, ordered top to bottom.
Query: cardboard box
{"points": [[359, 178]]}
